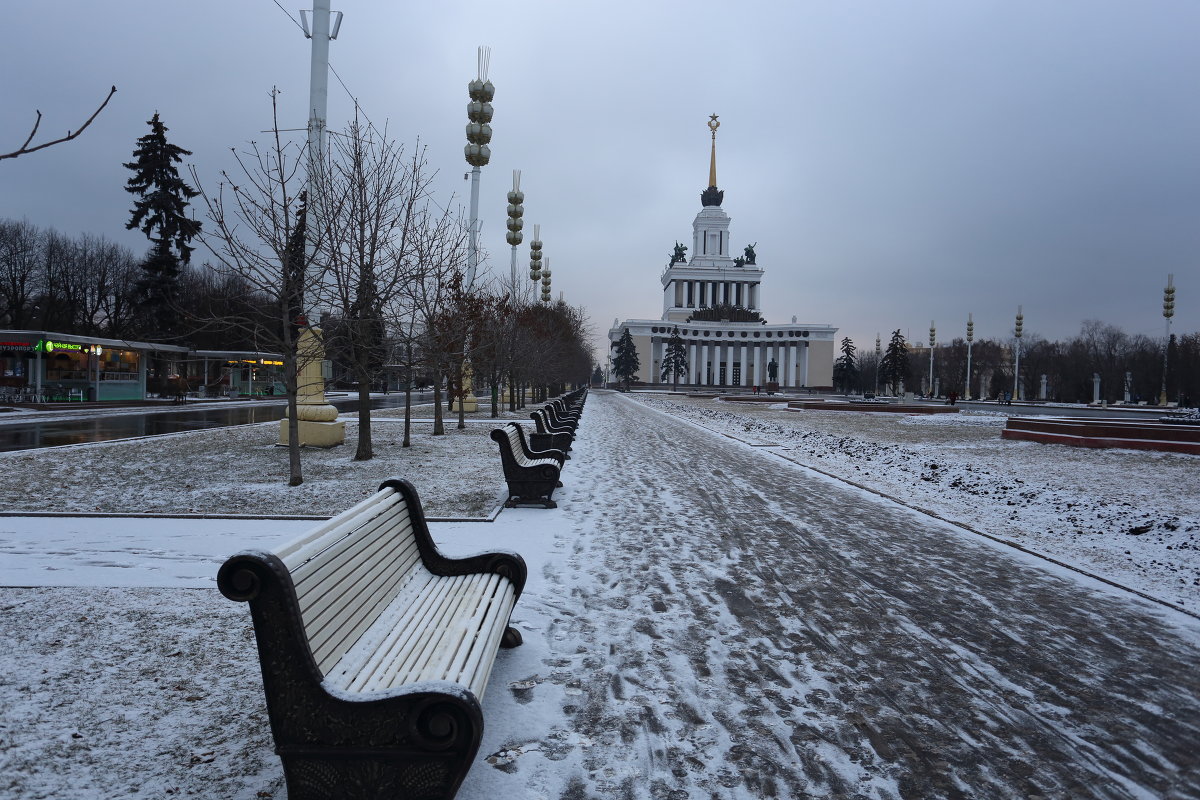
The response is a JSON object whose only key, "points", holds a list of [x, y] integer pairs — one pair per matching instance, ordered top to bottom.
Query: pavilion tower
{"points": [[710, 275]]}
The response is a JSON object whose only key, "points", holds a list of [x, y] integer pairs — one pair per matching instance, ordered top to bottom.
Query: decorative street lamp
{"points": [[477, 152], [515, 222], [535, 255], [546, 281], [1168, 312], [970, 338], [932, 342], [878, 356], [1017, 364]]}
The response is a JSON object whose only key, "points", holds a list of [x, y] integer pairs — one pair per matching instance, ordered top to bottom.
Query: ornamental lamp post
{"points": [[477, 152], [515, 222], [535, 255], [546, 281], [1168, 312], [1017, 329], [970, 338], [932, 342], [878, 358]]}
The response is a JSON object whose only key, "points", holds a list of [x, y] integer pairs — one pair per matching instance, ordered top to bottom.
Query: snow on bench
{"points": [[376, 649]]}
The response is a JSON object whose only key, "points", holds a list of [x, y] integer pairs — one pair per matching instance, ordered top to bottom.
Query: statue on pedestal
{"points": [[750, 255], [679, 256], [772, 370]]}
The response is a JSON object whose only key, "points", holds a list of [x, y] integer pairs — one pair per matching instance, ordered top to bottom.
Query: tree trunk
{"points": [[462, 395], [407, 414], [439, 428], [364, 451], [294, 476]]}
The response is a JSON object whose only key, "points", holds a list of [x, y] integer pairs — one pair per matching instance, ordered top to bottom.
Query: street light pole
{"points": [[478, 154], [1168, 313], [970, 338], [932, 342], [878, 356], [1017, 365], [316, 420]]}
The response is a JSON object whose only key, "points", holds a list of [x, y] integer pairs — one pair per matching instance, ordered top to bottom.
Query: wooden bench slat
{"points": [[296, 551], [399, 631]]}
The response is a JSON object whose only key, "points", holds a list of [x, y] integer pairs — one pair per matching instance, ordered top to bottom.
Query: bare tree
{"points": [[25, 149], [372, 201], [258, 236], [439, 263]]}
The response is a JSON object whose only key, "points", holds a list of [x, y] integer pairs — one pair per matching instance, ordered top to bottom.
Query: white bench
{"points": [[532, 476], [376, 649]]}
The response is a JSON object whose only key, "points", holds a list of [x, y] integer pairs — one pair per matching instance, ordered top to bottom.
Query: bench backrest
{"points": [[349, 569]]}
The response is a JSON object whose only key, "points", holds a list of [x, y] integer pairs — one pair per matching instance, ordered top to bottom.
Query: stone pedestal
{"points": [[470, 403], [318, 423]]}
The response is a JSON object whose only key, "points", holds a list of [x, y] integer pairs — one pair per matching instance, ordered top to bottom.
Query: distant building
{"points": [[715, 300]]}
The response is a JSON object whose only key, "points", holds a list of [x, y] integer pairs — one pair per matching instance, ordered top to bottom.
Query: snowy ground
{"points": [[241, 470], [1131, 516], [703, 619]]}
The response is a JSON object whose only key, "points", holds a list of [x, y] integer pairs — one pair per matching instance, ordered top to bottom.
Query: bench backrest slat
{"points": [[303, 547], [360, 571]]}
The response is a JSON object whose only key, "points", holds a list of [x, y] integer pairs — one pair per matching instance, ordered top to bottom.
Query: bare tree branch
{"points": [[25, 149]]}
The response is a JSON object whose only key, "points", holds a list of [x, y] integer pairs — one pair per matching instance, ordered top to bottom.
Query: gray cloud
{"points": [[895, 162]]}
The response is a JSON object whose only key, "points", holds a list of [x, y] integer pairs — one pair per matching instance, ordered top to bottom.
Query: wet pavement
{"points": [[82, 427]]}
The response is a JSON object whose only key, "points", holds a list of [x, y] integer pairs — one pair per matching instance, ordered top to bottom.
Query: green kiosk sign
{"points": [[48, 346]]}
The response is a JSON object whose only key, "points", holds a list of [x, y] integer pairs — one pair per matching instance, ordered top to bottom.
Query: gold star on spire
{"points": [[712, 164]]}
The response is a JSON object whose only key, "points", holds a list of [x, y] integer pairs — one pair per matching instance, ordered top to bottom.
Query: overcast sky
{"points": [[896, 162]]}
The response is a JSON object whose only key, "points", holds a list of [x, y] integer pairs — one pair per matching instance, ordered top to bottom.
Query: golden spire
{"points": [[712, 164]]}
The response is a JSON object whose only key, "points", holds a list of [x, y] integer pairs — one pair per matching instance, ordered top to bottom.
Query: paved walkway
{"points": [[726, 624]]}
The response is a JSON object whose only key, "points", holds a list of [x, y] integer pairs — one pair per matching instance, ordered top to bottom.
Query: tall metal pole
{"points": [[478, 154], [1168, 313], [1017, 329], [970, 337], [932, 342], [877, 361], [316, 419]]}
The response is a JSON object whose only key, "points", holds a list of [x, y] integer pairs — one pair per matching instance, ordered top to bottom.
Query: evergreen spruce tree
{"points": [[160, 214], [674, 361], [625, 362], [894, 368], [845, 369]]}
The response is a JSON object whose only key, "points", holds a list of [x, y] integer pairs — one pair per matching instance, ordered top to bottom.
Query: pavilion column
{"points": [[756, 349], [704, 350], [729, 354], [691, 362], [804, 363], [745, 366]]}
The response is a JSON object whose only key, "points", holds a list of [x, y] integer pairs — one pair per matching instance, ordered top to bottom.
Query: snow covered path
{"points": [[731, 625]]}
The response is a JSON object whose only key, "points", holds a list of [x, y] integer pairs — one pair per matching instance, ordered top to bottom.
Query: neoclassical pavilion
{"points": [[715, 300]]}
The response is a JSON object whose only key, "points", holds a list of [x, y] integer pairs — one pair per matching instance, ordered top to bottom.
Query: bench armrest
{"points": [[505, 564]]}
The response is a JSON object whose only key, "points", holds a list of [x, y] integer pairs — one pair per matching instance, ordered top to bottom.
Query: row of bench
{"points": [[532, 465], [375, 647]]}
